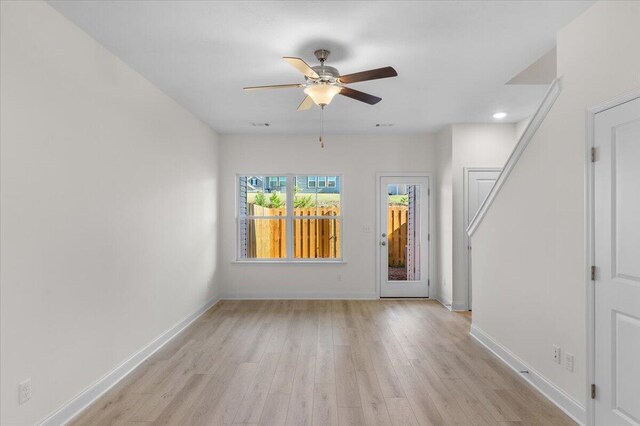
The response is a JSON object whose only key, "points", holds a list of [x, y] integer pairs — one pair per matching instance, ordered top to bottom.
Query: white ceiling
{"points": [[453, 58]]}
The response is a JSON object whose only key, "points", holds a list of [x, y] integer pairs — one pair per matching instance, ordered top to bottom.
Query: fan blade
{"points": [[301, 66], [368, 75], [274, 86], [360, 96], [306, 103]]}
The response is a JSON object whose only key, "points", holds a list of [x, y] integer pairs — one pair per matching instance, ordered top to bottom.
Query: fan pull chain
{"points": [[321, 126]]}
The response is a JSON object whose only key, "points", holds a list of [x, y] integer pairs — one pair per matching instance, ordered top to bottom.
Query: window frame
{"points": [[322, 179], [332, 180], [272, 181], [310, 181], [289, 218]]}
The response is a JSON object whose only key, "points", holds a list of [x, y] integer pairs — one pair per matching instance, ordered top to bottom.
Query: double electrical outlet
{"points": [[557, 358]]}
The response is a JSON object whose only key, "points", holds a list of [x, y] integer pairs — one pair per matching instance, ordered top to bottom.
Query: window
{"points": [[273, 181], [311, 181], [322, 181], [332, 182], [290, 223]]}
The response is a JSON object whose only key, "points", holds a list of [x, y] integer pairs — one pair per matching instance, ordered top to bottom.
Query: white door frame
{"points": [[431, 230], [589, 231], [466, 241]]}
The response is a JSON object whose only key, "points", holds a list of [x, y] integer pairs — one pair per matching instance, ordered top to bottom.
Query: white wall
{"points": [[474, 145], [460, 146], [357, 158], [108, 210], [444, 222], [529, 270]]}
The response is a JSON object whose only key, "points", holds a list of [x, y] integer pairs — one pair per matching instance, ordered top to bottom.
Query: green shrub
{"points": [[260, 201], [275, 201], [302, 202]]}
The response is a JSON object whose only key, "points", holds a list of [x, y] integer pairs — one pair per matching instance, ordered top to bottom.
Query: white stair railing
{"points": [[541, 113]]}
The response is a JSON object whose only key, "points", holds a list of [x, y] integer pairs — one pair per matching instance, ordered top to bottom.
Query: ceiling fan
{"points": [[323, 82]]}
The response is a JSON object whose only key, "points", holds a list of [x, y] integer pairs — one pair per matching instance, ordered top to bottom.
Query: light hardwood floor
{"points": [[284, 362]]}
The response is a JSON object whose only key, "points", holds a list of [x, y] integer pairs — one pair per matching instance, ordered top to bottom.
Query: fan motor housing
{"points": [[327, 74]]}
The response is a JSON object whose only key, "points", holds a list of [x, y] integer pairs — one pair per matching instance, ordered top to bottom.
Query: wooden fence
{"points": [[397, 223], [266, 238], [313, 238], [316, 238]]}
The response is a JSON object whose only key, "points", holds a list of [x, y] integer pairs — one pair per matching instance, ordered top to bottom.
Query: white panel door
{"points": [[479, 184], [403, 236], [617, 257]]}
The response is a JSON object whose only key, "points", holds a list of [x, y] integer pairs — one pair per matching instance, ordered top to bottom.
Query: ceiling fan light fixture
{"points": [[322, 94]]}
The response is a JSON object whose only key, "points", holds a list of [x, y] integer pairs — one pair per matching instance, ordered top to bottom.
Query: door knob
{"points": [[384, 235], [383, 243]]}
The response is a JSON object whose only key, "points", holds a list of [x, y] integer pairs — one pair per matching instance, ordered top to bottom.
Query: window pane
{"points": [[276, 183], [249, 188], [265, 195], [329, 199], [304, 200], [403, 232], [264, 236], [317, 238], [263, 239]]}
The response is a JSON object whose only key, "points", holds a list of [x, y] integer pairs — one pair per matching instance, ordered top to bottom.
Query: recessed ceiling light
{"points": [[499, 115]]}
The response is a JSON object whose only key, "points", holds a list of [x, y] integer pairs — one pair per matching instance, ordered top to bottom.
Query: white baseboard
{"points": [[300, 296], [443, 301], [455, 305], [553, 393], [85, 398]]}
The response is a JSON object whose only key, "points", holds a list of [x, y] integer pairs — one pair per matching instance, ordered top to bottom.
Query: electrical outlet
{"points": [[366, 229], [339, 277], [556, 354], [568, 361], [25, 391]]}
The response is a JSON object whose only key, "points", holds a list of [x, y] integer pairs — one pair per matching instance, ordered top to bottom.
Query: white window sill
{"points": [[290, 262]]}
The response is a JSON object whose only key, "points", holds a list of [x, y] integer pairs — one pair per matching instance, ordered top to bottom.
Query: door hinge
{"points": [[593, 155], [429, 191], [428, 237], [593, 273], [429, 282], [593, 391]]}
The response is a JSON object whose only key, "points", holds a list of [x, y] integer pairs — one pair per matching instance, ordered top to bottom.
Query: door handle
{"points": [[383, 243]]}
